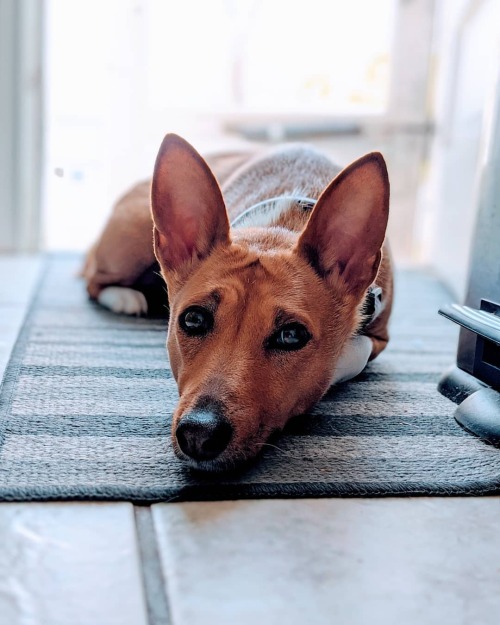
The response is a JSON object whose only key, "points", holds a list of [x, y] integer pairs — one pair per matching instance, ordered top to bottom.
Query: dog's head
{"points": [[258, 317]]}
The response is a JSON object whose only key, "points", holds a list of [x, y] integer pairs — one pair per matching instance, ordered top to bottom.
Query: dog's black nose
{"points": [[203, 434]]}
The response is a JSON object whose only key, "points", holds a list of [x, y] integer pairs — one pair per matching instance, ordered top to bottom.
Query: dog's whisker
{"points": [[270, 445], [284, 452]]}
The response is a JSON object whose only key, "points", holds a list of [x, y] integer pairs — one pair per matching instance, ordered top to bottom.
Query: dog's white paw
{"points": [[122, 300]]}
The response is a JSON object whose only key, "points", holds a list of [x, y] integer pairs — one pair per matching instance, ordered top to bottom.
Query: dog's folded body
{"points": [[279, 284]]}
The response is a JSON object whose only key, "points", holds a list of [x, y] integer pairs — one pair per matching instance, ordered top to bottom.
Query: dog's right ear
{"points": [[189, 215], [344, 235]]}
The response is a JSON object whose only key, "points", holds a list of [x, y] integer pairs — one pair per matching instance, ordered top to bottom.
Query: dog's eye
{"points": [[196, 321], [290, 337]]}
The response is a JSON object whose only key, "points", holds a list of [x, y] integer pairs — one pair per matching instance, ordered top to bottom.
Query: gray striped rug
{"points": [[86, 399]]}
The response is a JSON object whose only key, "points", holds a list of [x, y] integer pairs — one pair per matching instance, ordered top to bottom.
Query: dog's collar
{"points": [[265, 212], [373, 305]]}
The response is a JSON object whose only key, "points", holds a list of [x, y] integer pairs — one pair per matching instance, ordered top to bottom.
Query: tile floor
{"points": [[394, 561]]}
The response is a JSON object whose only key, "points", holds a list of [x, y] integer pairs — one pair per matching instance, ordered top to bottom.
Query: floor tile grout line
{"points": [[153, 576]]}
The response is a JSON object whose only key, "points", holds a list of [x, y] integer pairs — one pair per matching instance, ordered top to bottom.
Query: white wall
{"points": [[467, 54], [121, 73], [21, 119]]}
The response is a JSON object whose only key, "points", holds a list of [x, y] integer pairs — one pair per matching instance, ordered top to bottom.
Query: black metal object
{"points": [[485, 324], [475, 382], [457, 385], [478, 393], [479, 414]]}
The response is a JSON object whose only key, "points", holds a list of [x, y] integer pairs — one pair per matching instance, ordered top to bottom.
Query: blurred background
{"points": [[89, 88]]}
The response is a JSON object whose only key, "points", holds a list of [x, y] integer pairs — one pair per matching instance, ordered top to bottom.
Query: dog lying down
{"points": [[279, 284]]}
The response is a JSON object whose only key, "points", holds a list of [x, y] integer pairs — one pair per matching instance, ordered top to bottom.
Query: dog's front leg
{"points": [[353, 359]]}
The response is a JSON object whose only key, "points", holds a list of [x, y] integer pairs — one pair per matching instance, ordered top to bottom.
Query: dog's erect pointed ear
{"points": [[189, 215], [345, 232]]}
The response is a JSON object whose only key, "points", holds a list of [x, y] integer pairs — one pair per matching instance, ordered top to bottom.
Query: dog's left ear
{"points": [[189, 214], [346, 230]]}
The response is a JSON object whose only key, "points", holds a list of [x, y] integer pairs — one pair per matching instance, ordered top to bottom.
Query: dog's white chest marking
{"points": [[123, 300], [353, 359]]}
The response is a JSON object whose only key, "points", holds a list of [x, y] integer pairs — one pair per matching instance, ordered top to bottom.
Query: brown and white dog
{"points": [[279, 284]]}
